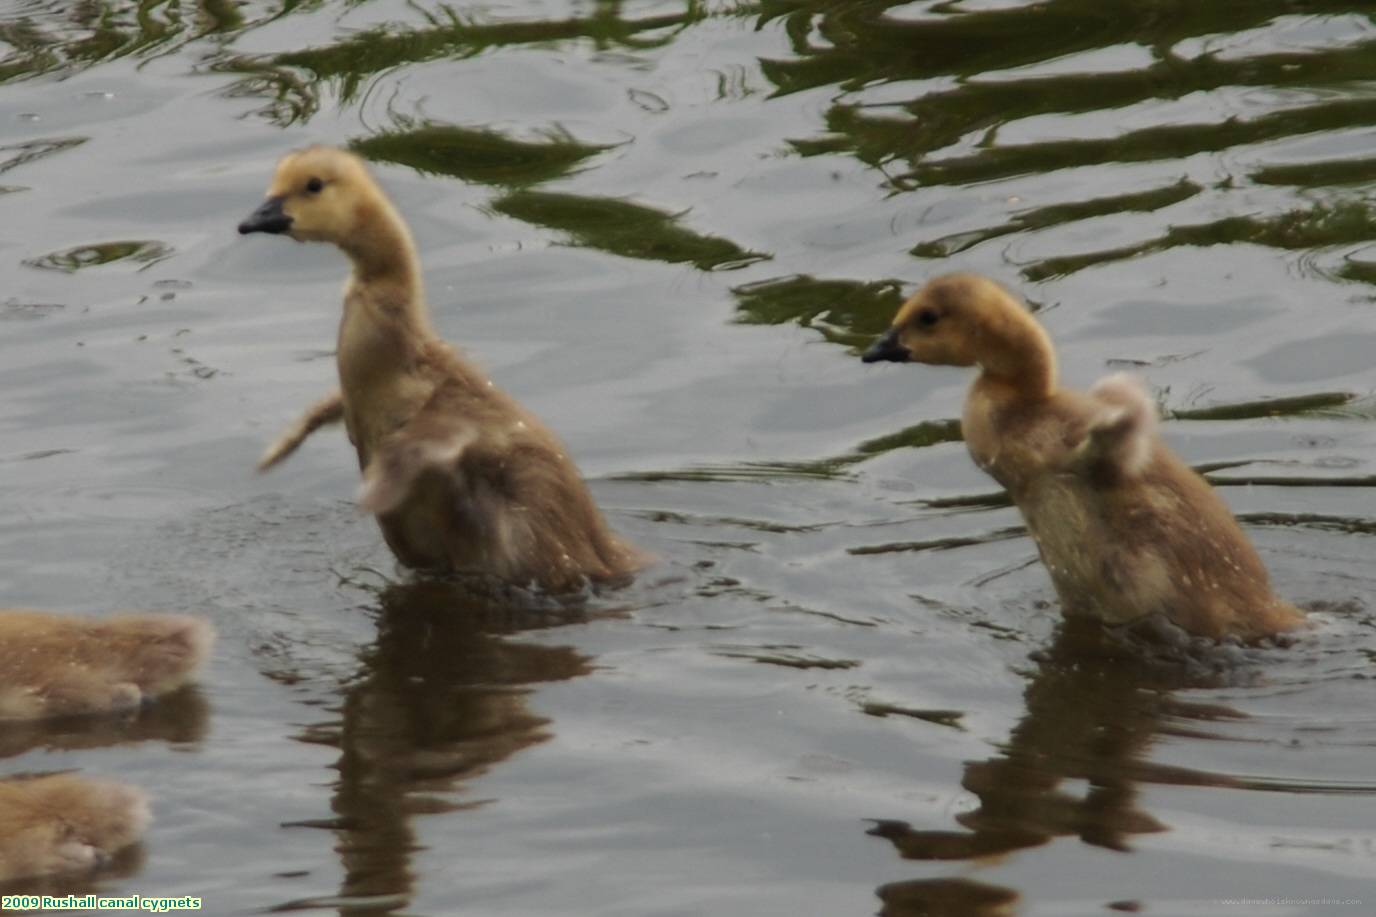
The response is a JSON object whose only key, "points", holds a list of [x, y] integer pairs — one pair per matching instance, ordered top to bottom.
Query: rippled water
{"points": [[665, 226]]}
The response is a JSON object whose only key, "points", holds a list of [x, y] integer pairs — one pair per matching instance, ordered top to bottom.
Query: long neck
{"points": [[385, 265], [385, 330], [1017, 353]]}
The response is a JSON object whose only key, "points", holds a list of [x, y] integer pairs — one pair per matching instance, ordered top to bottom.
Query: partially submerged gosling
{"points": [[459, 475], [1125, 527], [68, 665], [64, 823]]}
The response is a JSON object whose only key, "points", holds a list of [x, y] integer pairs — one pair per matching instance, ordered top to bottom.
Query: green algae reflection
{"points": [[448, 34], [71, 37], [862, 44], [477, 154], [14, 155], [1059, 214], [1324, 224], [622, 228], [144, 253], [844, 311], [1328, 404], [917, 436]]}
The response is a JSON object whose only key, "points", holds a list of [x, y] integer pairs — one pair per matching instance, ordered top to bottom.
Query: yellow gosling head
{"points": [[317, 194], [968, 320], [947, 322]]}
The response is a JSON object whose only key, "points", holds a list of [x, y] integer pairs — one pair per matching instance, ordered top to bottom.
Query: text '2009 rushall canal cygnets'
{"points": [[98, 903]]}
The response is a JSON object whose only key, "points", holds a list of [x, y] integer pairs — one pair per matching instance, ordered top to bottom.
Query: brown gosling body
{"points": [[459, 475], [1123, 525], [67, 665], [64, 823]]}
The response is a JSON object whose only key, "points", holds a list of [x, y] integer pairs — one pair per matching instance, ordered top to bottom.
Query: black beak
{"points": [[267, 218], [887, 348]]}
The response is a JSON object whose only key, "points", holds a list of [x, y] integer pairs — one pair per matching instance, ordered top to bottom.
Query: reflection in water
{"points": [[71, 36], [864, 44], [293, 78], [929, 96], [948, 135], [19, 154], [479, 155], [1058, 214], [1341, 223], [626, 229], [145, 253], [845, 311], [936, 432], [440, 698], [1094, 708], [179, 717], [124, 864], [946, 898]]}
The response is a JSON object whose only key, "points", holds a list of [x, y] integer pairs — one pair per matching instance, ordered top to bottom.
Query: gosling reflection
{"points": [[441, 698], [1094, 707], [177, 718], [82, 834], [946, 898]]}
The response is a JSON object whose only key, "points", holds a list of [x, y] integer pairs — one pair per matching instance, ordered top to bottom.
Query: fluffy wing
{"points": [[1121, 435], [417, 450]]}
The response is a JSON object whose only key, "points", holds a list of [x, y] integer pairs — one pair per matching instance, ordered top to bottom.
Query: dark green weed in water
{"points": [[96, 31], [862, 44], [350, 61], [1172, 141], [20, 154], [478, 154], [1318, 174], [1057, 214], [1341, 223], [622, 228], [101, 253], [1359, 271], [845, 311], [1317, 403], [936, 432], [926, 433], [1342, 524], [939, 544], [789, 656], [950, 718]]}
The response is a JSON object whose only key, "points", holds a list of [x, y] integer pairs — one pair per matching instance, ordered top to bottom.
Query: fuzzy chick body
{"points": [[460, 477], [1125, 528], [68, 665], [64, 823]]}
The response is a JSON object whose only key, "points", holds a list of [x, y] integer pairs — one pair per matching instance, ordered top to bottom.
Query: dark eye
{"points": [[314, 185], [927, 318]]}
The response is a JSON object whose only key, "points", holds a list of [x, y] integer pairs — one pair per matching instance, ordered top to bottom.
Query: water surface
{"points": [[666, 227]]}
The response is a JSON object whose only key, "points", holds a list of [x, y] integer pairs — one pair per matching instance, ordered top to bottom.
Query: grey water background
{"points": [[666, 226]]}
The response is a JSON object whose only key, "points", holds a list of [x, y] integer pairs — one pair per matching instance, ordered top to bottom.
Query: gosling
{"points": [[461, 478], [1124, 526], [54, 665], [65, 824]]}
